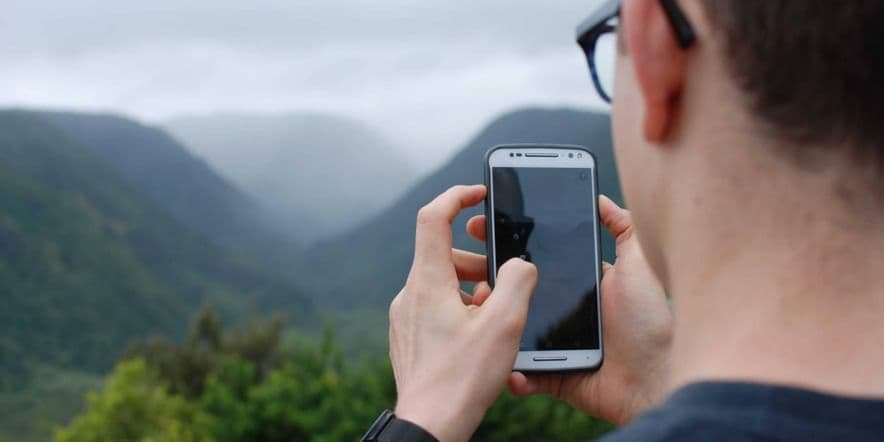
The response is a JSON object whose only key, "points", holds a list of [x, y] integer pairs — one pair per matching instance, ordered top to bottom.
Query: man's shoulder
{"points": [[741, 412], [665, 425]]}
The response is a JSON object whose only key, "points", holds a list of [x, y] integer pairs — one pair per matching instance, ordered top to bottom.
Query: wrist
{"points": [[442, 419]]}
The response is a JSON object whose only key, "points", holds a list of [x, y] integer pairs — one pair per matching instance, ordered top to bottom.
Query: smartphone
{"points": [[542, 206]]}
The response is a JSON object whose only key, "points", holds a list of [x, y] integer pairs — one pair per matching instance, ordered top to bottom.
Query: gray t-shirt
{"points": [[752, 412]]}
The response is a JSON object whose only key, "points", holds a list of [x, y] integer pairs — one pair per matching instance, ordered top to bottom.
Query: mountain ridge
{"points": [[311, 167], [164, 170], [373, 259], [87, 262]]}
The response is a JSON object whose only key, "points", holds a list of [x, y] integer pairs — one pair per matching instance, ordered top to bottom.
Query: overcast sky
{"points": [[428, 73]]}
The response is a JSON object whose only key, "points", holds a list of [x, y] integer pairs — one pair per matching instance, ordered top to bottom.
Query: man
{"points": [[751, 152]]}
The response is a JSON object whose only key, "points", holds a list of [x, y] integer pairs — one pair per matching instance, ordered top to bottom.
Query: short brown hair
{"points": [[813, 69]]}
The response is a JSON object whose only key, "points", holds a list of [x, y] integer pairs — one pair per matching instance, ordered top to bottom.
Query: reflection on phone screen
{"points": [[546, 216]]}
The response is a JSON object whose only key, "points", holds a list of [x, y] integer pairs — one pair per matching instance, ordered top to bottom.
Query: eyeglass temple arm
{"points": [[684, 32]]}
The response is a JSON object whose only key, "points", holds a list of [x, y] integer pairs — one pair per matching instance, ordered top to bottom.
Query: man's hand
{"points": [[637, 325], [451, 357]]}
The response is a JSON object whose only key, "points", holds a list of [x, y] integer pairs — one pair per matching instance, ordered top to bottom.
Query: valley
{"points": [[112, 231]]}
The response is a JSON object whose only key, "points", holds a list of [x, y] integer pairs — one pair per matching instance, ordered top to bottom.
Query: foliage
{"points": [[109, 232], [88, 262], [187, 367], [306, 391], [134, 406], [537, 418]]}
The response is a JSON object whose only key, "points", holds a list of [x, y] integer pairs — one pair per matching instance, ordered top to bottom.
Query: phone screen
{"points": [[547, 216]]}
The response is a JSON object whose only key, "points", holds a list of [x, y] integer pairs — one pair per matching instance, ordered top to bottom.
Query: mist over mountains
{"points": [[167, 173], [319, 174], [188, 226], [112, 230], [90, 260], [367, 266]]}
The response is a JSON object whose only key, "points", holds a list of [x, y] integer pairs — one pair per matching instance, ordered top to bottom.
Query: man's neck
{"points": [[789, 298]]}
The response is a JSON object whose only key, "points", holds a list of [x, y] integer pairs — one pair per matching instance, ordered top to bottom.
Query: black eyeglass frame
{"points": [[597, 25]]}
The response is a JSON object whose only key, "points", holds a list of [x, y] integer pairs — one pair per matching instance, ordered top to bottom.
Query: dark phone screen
{"points": [[547, 216]]}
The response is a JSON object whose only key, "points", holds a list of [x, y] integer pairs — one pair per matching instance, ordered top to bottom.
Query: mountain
{"points": [[156, 165], [321, 174], [88, 262], [366, 267]]}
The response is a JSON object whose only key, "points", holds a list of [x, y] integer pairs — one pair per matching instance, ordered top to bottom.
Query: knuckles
{"points": [[459, 188], [431, 212], [427, 214], [522, 270], [528, 270], [511, 328]]}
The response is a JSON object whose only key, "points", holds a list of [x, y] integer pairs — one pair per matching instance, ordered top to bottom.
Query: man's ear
{"points": [[659, 64]]}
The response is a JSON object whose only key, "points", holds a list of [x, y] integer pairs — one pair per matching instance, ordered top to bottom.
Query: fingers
{"points": [[616, 219], [476, 227], [432, 247], [470, 266], [606, 266], [481, 292], [512, 293], [466, 298], [518, 384], [523, 385]]}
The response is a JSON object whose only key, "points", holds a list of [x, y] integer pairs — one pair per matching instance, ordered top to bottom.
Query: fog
{"points": [[428, 74]]}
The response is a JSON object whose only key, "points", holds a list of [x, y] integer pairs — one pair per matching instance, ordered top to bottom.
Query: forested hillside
{"points": [[173, 179], [110, 232], [88, 263]]}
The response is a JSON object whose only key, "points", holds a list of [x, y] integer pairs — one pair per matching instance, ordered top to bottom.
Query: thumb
{"points": [[616, 219], [512, 291]]}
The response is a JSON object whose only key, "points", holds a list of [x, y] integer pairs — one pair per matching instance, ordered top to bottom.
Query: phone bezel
{"points": [[498, 156]]}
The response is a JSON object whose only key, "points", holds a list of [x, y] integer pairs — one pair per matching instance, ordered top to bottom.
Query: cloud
{"points": [[428, 73]]}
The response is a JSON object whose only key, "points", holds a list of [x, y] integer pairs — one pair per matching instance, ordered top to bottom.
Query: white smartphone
{"points": [[542, 206]]}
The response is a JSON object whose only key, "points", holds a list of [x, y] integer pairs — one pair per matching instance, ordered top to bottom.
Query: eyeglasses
{"points": [[597, 36]]}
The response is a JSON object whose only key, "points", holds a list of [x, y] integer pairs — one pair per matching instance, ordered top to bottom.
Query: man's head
{"points": [[775, 96]]}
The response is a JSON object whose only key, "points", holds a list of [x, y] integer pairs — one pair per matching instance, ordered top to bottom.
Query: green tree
{"points": [[186, 367], [245, 386], [134, 406], [227, 413], [537, 418]]}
